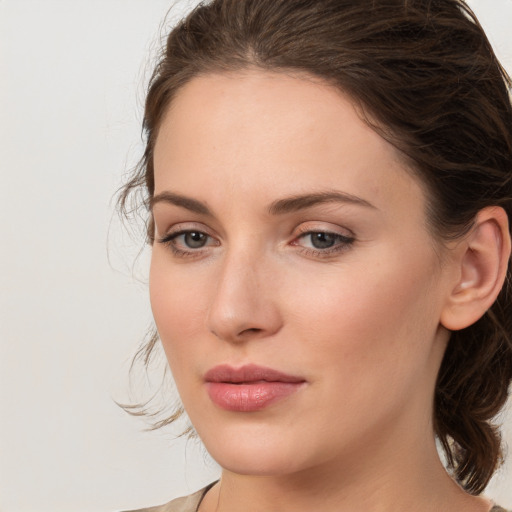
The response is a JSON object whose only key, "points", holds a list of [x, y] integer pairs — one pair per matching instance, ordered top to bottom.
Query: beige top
{"points": [[188, 503], [191, 503]]}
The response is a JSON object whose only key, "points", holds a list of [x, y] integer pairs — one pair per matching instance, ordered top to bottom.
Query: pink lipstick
{"points": [[249, 388]]}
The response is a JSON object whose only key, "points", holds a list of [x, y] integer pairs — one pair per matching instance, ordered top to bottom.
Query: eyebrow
{"points": [[301, 202], [188, 203], [279, 207]]}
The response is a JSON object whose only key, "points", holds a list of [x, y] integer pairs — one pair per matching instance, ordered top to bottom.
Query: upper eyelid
{"points": [[181, 227], [305, 227], [334, 233], [172, 235], [344, 238]]}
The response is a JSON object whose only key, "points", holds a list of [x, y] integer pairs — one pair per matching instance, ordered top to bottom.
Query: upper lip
{"points": [[248, 373]]}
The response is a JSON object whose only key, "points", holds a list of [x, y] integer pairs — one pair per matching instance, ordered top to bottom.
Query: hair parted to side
{"points": [[427, 79]]}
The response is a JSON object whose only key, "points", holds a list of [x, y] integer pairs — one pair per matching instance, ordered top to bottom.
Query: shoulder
{"points": [[188, 503]]}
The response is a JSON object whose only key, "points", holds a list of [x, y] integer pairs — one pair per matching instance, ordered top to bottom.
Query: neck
{"points": [[413, 479]]}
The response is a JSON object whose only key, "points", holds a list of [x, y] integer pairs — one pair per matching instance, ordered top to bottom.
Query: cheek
{"points": [[179, 309], [369, 319], [367, 335]]}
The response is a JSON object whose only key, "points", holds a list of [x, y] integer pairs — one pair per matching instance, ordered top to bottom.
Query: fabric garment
{"points": [[188, 503], [191, 503]]}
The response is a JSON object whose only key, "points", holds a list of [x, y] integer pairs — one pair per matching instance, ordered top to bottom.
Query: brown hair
{"points": [[426, 78]]}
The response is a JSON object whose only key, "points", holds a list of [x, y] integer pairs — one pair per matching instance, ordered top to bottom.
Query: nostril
{"points": [[250, 331], [244, 333]]}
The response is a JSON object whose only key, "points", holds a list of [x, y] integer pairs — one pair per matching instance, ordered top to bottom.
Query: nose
{"points": [[244, 305]]}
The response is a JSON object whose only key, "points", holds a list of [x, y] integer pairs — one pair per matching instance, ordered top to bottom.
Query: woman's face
{"points": [[294, 282]]}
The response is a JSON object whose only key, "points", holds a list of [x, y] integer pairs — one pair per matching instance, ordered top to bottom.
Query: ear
{"points": [[480, 264]]}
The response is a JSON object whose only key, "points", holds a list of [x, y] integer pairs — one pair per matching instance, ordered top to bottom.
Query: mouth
{"points": [[249, 388]]}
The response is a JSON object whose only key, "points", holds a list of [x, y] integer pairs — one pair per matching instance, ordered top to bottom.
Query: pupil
{"points": [[195, 240], [322, 240]]}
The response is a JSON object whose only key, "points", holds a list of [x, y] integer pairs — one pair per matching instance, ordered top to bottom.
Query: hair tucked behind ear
{"points": [[425, 75], [469, 395]]}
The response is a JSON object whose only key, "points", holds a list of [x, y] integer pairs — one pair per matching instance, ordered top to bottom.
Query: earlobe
{"points": [[481, 265]]}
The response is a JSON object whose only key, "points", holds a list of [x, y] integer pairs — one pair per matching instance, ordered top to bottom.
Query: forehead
{"points": [[251, 129]]}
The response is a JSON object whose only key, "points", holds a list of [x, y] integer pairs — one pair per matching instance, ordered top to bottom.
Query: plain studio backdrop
{"points": [[73, 307]]}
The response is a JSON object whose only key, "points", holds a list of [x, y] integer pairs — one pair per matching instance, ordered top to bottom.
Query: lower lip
{"points": [[249, 397]]}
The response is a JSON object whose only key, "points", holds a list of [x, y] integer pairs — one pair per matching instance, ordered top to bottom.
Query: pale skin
{"points": [[237, 277]]}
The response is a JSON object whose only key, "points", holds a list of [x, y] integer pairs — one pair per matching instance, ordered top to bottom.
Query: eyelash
{"points": [[169, 241], [342, 243]]}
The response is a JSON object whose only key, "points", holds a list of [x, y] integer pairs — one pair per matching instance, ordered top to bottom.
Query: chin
{"points": [[247, 449], [260, 452]]}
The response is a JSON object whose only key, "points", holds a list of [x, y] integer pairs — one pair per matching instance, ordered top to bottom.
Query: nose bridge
{"points": [[243, 304]]}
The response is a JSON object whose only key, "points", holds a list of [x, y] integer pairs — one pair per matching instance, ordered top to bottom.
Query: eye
{"points": [[192, 239], [322, 240], [188, 242], [323, 243]]}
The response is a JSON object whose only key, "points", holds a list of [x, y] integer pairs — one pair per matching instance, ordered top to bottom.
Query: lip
{"points": [[249, 388]]}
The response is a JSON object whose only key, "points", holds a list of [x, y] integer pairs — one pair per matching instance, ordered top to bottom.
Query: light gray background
{"points": [[72, 79]]}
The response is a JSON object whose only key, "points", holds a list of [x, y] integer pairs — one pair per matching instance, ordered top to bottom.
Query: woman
{"points": [[329, 188]]}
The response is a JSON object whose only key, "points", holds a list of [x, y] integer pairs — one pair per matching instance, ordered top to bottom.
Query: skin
{"points": [[361, 321]]}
